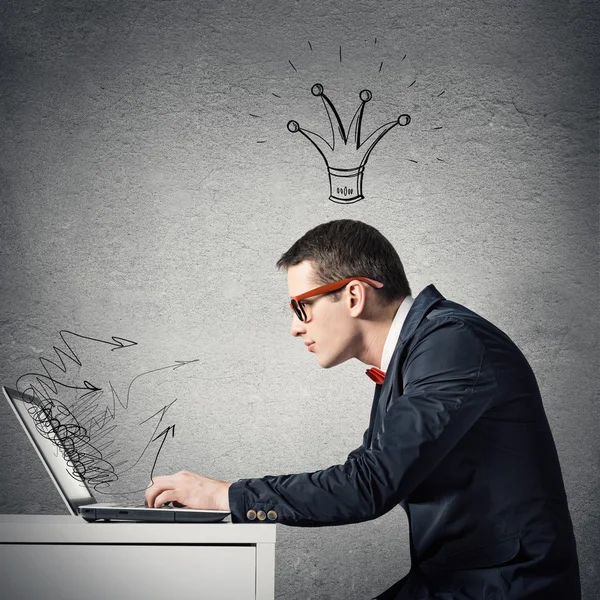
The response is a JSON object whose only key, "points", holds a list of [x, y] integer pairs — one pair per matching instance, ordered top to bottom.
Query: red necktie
{"points": [[377, 375]]}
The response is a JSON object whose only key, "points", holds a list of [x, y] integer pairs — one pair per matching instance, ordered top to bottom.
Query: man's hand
{"points": [[188, 489]]}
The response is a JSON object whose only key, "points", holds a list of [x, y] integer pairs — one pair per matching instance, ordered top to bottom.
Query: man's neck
{"points": [[376, 335]]}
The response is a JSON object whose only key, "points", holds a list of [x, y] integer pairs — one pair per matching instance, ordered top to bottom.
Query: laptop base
{"points": [[156, 515]]}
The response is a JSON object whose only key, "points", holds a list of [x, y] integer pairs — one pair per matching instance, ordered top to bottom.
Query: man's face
{"points": [[329, 328]]}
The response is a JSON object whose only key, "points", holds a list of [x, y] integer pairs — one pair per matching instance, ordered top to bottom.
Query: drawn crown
{"points": [[346, 162]]}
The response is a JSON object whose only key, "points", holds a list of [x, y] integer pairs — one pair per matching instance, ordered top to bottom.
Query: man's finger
{"points": [[161, 479], [160, 485], [152, 493], [164, 497]]}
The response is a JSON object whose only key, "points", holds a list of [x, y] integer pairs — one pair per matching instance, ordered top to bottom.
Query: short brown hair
{"points": [[347, 248]]}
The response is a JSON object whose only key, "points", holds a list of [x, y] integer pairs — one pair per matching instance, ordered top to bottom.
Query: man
{"points": [[457, 435]]}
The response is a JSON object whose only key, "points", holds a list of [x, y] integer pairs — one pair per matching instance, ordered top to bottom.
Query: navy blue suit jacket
{"points": [[459, 438]]}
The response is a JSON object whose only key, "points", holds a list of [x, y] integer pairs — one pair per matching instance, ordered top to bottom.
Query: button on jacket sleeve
{"points": [[443, 385]]}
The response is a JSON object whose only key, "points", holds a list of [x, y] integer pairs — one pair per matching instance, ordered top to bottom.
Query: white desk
{"points": [[64, 558]]}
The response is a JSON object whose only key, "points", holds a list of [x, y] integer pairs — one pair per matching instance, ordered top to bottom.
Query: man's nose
{"points": [[298, 327]]}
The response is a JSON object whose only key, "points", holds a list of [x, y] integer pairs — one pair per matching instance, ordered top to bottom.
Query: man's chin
{"points": [[325, 363]]}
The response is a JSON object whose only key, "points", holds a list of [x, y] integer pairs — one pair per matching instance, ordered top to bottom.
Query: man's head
{"points": [[345, 323]]}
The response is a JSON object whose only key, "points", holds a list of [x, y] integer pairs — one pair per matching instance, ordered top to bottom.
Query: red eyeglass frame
{"points": [[296, 301]]}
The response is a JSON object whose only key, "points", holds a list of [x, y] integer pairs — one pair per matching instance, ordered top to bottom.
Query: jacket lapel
{"points": [[383, 393], [374, 409]]}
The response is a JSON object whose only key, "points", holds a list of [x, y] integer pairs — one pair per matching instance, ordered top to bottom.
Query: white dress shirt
{"points": [[394, 332]]}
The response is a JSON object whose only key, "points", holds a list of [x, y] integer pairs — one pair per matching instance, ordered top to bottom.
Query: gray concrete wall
{"points": [[148, 184]]}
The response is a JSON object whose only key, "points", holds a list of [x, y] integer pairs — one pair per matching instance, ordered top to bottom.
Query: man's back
{"points": [[490, 518]]}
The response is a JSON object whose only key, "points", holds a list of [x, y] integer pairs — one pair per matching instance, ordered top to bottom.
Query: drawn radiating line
{"points": [[310, 46], [340, 54], [403, 57], [381, 66], [293, 67], [413, 83], [441, 93], [274, 94], [255, 116], [437, 128], [260, 141], [411, 160], [441, 160]]}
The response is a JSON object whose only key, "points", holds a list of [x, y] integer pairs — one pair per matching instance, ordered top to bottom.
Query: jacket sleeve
{"points": [[448, 384], [358, 450]]}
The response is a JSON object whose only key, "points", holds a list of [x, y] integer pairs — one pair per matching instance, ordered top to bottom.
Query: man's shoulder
{"points": [[430, 305], [450, 310], [432, 316], [450, 320], [457, 325]]}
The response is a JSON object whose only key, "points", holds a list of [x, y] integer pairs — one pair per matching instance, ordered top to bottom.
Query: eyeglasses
{"points": [[298, 306]]}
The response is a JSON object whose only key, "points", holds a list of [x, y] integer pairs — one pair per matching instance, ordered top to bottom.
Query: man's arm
{"points": [[447, 386], [358, 450]]}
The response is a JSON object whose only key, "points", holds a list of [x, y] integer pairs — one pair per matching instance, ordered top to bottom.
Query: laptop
{"points": [[74, 491]]}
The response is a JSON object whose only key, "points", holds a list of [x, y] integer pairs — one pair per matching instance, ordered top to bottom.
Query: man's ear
{"points": [[357, 297]]}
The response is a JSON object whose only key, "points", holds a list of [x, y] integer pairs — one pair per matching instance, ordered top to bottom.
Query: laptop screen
{"points": [[32, 416]]}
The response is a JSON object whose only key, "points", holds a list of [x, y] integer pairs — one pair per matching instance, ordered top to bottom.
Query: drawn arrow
{"points": [[119, 342], [177, 365], [162, 412], [164, 435]]}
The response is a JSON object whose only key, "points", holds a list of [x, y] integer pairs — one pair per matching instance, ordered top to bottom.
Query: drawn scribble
{"points": [[346, 161], [48, 383], [80, 418]]}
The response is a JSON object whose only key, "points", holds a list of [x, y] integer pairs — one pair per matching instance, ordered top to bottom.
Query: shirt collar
{"points": [[394, 332]]}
